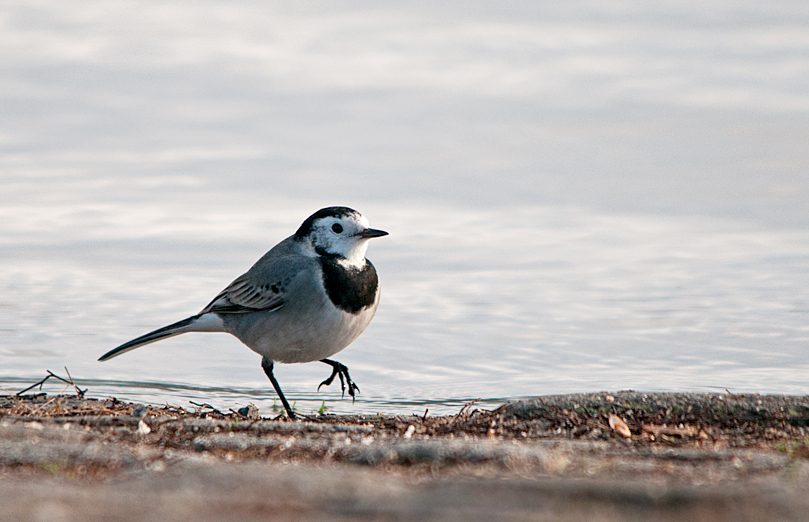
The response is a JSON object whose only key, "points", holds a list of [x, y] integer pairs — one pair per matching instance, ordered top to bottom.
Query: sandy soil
{"points": [[598, 457]]}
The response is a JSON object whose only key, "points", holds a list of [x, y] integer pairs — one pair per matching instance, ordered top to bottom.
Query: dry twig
{"points": [[79, 392]]}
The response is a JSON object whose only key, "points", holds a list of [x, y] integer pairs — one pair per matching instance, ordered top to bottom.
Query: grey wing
{"points": [[266, 285], [245, 295]]}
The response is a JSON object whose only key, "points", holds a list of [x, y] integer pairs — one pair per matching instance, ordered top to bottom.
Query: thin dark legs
{"points": [[267, 365], [340, 370]]}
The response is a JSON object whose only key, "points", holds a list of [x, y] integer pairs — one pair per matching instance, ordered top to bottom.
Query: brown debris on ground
{"points": [[516, 434], [663, 440]]}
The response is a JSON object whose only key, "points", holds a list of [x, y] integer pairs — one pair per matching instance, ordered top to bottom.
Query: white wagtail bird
{"points": [[305, 300]]}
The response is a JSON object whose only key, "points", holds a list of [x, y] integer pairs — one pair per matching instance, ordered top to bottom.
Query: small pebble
{"points": [[250, 411]]}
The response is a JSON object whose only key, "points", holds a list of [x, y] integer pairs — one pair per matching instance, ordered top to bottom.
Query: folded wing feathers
{"points": [[241, 296]]}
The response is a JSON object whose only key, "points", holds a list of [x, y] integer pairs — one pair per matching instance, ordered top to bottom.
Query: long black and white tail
{"points": [[195, 323]]}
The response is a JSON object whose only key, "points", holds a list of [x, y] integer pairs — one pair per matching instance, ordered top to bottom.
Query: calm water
{"points": [[610, 196]]}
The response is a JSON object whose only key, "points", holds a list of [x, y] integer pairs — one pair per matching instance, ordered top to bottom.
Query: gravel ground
{"points": [[599, 457]]}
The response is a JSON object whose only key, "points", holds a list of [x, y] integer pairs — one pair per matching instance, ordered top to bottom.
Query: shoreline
{"points": [[655, 454]]}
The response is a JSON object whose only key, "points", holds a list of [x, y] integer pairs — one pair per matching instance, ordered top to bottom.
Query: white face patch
{"points": [[341, 236]]}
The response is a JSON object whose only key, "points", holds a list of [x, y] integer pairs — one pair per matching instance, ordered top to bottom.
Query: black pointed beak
{"points": [[372, 232]]}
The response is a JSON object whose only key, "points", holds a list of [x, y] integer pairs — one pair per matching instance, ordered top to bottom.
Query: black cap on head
{"points": [[307, 225]]}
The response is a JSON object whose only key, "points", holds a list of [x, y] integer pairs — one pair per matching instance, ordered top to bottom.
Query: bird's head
{"points": [[339, 231]]}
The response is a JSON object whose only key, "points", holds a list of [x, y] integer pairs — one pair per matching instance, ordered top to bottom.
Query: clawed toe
{"points": [[340, 370], [330, 380]]}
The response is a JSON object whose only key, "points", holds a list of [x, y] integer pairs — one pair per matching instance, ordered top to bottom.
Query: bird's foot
{"points": [[340, 370]]}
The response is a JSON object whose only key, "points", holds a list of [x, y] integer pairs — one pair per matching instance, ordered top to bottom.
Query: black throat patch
{"points": [[350, 289]]}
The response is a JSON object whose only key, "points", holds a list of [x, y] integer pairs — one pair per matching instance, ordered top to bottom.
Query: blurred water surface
{"points": [[605, 195]]}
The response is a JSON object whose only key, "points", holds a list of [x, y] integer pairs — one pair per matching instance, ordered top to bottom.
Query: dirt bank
{"points": [[606, 456]]}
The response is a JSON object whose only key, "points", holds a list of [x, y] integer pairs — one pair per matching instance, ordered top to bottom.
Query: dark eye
{"points": [[337, 228]]}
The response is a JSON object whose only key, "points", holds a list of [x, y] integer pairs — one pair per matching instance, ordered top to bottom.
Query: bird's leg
{"points": [[267, 365], [340, 370]]}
